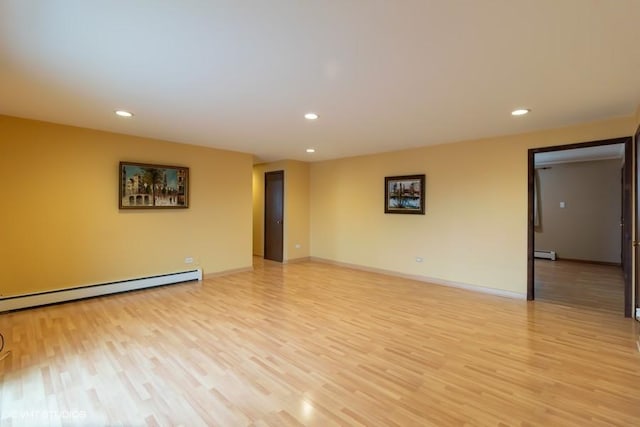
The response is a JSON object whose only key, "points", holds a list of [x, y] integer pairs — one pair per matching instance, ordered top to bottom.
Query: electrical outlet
{"points": [[298, 246], [419, 259], [188, 260]]}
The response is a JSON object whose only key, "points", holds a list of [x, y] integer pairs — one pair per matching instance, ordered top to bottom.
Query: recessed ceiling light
{"points": [[520, 112], [123, 113], [311, 116], [311, 150]]}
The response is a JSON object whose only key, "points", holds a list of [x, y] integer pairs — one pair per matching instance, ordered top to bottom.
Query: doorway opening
{"points": [[596, 246]]}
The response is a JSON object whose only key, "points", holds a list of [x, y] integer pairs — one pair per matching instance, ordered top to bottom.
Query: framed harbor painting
{"points": [[147, 186], [404, 194]]}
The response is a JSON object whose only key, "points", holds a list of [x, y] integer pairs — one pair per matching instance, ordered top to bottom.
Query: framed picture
{"points": [[145, 186], [404, 194]]}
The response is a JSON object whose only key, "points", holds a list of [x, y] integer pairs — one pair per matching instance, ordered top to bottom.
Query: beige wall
{"points": [[296, 208], [60, 225], [588, 227], [475, 228]]}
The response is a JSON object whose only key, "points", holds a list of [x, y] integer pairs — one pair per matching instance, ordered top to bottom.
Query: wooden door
{"points": [[273, 215], [627, 246]]}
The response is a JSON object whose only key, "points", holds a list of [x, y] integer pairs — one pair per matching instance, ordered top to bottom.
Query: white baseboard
{"points": [[545, 255], [431, 280], [63, 295]]}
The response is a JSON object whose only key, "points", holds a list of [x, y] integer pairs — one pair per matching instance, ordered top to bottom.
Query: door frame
{"points": [[627, 218], [637, 221]]}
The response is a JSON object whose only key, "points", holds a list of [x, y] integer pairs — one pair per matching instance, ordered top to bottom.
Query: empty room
{"points": [[288, 213]]}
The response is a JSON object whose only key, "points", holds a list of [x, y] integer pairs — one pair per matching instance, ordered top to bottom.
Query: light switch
{"points": [[562, 204]]}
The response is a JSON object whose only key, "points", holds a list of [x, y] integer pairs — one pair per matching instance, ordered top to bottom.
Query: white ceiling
{"points": [[382, 75], [601, 152]]}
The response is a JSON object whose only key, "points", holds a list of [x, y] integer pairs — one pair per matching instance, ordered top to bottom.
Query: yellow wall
{"points": [[296, 208], [60, 225], [475, 228]]}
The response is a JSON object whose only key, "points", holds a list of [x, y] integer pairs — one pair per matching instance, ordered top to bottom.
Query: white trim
{"points": [[431, 280], [62, 295], [638, 314]]}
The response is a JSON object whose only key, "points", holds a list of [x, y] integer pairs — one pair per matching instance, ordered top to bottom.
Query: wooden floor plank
{"points": [[315, 344]]}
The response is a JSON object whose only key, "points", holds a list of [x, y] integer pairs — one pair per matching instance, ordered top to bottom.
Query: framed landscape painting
{"points": [[147, 186], [404, 194]]}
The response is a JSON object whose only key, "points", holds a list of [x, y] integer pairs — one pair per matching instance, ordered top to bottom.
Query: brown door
{"points": [[273, 215], [627, 247]]}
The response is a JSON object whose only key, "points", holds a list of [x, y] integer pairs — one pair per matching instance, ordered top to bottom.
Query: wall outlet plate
{"points": [[188, 260]]}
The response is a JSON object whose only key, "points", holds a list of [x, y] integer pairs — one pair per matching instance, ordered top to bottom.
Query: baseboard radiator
{"points": [[545, 255], [70, 294]]}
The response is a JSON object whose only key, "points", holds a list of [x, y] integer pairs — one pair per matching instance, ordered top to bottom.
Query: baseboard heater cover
{"points": [[545, 255], [63, 295]]}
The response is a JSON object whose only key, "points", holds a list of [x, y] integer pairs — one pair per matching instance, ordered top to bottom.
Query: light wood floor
{"points": [[582, 285], [315, 344]]}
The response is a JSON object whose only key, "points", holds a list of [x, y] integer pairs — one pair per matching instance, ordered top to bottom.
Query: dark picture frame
{"points": [[150, 186], [404, 194]]}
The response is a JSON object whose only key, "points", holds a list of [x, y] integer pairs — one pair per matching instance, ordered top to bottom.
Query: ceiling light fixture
{"points": [[520, 112], [123, 113], [311, 116], [311, 150]]}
